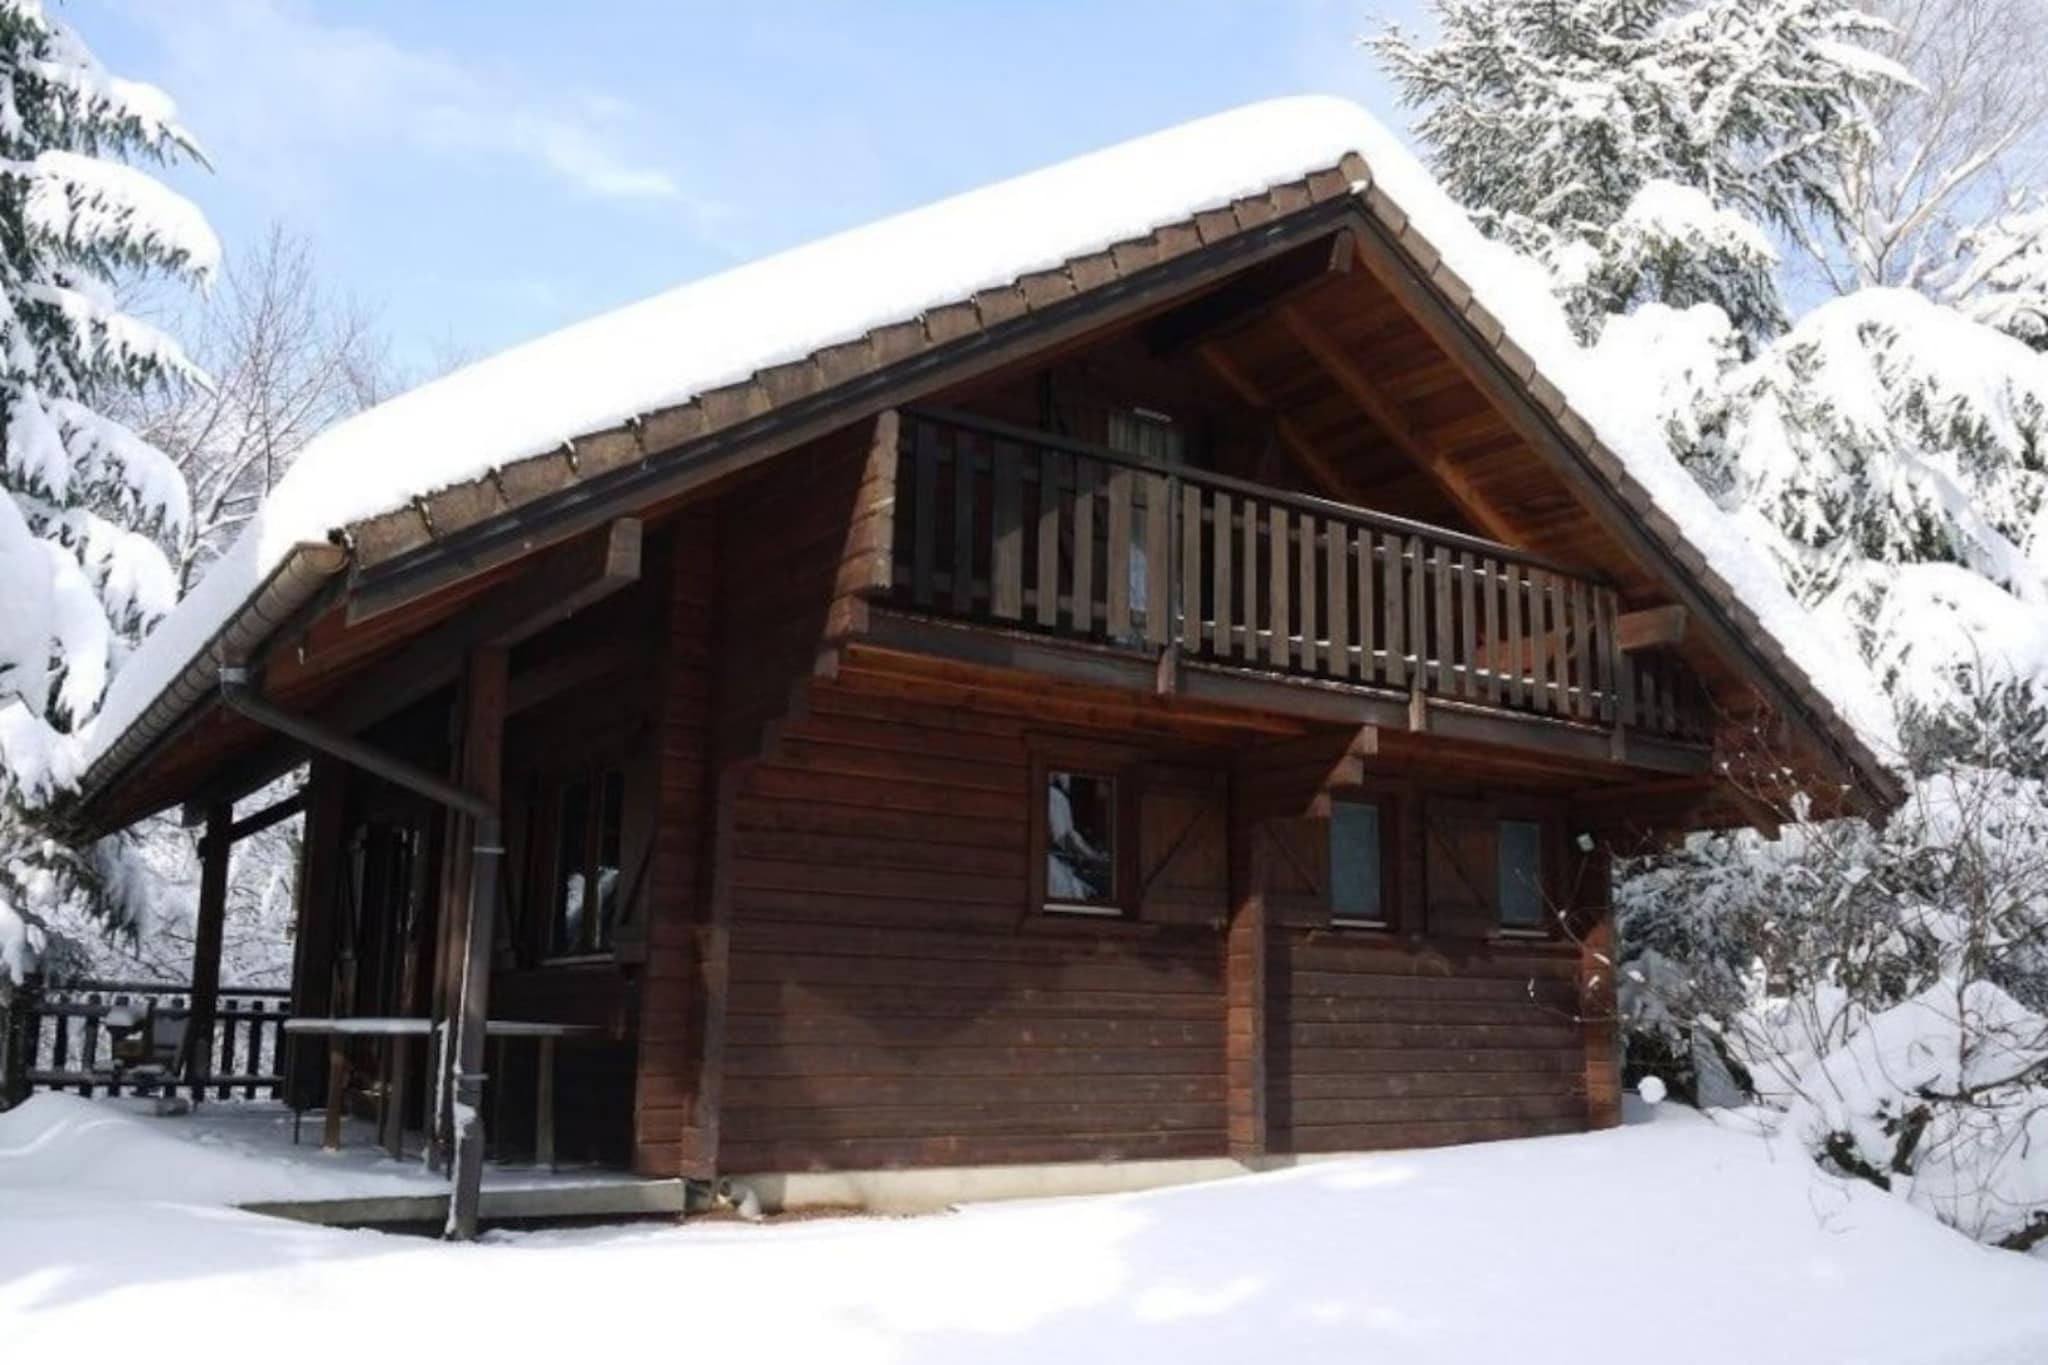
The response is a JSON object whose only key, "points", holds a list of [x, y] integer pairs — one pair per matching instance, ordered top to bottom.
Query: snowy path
{"points": [[1670, 1240]]}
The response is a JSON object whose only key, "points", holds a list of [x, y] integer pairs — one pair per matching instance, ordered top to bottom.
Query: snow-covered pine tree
{"points": [[1634, 146], [2002, 279], [83, 501]]}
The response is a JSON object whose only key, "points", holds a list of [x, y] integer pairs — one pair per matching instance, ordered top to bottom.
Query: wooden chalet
{"points": [[1173, 701]]}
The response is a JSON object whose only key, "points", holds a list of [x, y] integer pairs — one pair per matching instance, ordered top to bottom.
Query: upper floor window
{"points": [[1147, 434]]}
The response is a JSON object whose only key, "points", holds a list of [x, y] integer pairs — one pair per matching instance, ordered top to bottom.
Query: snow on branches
{"points": [[1632, 145], [84, 502]]}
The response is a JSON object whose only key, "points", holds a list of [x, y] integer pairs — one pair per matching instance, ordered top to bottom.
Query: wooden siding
{"points": [[678, 875], [895, 1001], [1374, 1044]]}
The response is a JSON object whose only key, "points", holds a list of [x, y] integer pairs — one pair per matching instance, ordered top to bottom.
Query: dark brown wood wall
{"points": [[679, 874], [845, 969], [894, 999], [1373, 1044]]}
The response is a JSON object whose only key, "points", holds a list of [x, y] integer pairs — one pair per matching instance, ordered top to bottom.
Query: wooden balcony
{"points": [[1023, 531]]}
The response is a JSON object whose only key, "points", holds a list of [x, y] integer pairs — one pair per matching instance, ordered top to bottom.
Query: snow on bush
{"points": [[1885, 989]]}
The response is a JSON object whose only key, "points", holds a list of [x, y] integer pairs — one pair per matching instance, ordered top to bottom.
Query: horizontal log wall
{"points": [[893, 1001], [1374, 1044]]}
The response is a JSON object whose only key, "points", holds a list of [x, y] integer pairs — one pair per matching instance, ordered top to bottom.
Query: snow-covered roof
{"points": [[671, 349]]}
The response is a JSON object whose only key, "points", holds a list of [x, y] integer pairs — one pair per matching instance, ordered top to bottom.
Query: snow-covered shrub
{"points": [[1884, 988]]}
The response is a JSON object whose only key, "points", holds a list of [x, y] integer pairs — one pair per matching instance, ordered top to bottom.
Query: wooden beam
{"points": [[1242, 302], [1387, 415], [1304, 450], [564, 580], [1650, 628], [277, 812], [214, 848], [1245, 990]]}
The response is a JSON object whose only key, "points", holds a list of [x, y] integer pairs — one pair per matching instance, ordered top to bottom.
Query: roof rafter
{"points": [[1387, 415], [1298, 444]]}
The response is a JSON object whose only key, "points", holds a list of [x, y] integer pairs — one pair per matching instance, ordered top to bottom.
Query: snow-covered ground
{"points": [[1671, 1240]]}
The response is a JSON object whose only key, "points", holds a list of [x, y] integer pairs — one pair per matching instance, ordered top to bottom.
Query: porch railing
{"points": [[1019, 528], [64, 1044]]}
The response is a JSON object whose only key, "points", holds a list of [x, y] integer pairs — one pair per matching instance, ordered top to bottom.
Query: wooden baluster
{"points": [[1052, 478], [1087, 478], [963, 522], [1223, 545], [924, 554], [1006, 559], [1158, 561], [1118, 567], [1468, 569], [1395, 580], [1337, 597], [1603, 604], [1191, 613], [1489, 625], [1443, 636], [1512, 636], [1279, 644], [1248, 646], [1309, 648], [1582, 667], [1367, 668], [1646, 691], [1670, 694], [1555, 698], [226, 1019], [60, 1047], [90, 1055], [253, 1062], [114, 1086]]}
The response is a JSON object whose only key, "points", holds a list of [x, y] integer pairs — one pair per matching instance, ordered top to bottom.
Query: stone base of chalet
{"points": [[931, 1189]]}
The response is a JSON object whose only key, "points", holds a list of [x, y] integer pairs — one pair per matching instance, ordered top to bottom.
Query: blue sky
{"points": [[483, 172]]}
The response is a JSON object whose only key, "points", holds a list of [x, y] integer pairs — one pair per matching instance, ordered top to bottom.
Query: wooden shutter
{"points": [[1183, 847], [1297, 869], [1461, 878]]}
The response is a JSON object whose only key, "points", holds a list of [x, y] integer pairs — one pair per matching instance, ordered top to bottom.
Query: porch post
{"points": [[483, 733], [214, 847], [1244, 985]]}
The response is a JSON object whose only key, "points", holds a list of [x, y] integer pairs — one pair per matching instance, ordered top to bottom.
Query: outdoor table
{"points": [[399, 1031]]}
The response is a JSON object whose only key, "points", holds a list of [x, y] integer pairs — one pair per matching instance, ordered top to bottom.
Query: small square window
{"points": [[1080, 841], [1521, 874], [1356, 882]]}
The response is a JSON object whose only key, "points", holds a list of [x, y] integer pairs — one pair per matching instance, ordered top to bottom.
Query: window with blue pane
{"points": [[1520, 866], [1357, 876]]}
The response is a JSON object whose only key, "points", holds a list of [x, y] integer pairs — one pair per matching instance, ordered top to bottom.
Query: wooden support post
{"points": [[482, 772], [214, 847], [319, 876], [1245, 989], [1599, 1015], [19, 1027], [544, 1106]]}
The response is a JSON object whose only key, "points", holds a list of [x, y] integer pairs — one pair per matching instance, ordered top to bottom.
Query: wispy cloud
{"points": [[269, 83]]}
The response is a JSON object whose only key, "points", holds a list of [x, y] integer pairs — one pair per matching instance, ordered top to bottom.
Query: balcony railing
{"points": [[1025, 530]]}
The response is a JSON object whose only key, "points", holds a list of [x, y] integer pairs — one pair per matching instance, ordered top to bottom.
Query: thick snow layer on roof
{"points": [[668, 349], [664, 351]]}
